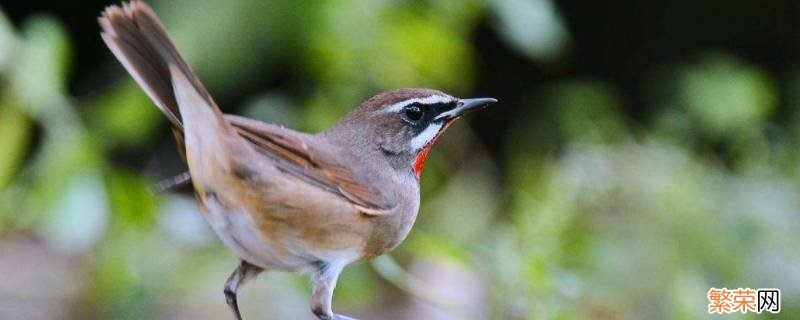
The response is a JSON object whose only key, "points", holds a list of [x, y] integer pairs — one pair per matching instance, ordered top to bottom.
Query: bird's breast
{"points": [[390, 230]]}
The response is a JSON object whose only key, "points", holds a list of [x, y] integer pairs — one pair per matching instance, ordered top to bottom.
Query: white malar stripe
{"points": [[434, 99], [425, 136]]}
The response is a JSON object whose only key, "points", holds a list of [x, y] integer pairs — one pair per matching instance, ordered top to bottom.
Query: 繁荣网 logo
{"points": [[744, 300]]}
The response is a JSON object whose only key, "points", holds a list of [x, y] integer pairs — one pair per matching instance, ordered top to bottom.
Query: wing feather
{"points": [[302, 157]]}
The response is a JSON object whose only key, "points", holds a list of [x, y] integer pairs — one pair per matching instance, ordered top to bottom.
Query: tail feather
{"points": [[139, 41]]}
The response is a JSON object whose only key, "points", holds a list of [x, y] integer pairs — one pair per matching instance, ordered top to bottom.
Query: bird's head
{"points": [[403, 125]]}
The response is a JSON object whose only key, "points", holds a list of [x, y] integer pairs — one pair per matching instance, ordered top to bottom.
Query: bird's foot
{"points": [[230, 298]]}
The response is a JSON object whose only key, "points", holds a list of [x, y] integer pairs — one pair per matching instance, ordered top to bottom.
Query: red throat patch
{"points": [[419, 161]]}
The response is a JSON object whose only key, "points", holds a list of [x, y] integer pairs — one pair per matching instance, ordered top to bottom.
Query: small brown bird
{"points": [[282, 199]]}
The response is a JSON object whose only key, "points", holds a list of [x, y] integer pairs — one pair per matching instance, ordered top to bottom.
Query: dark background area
{"points": [[617, 39], [624, 41]]}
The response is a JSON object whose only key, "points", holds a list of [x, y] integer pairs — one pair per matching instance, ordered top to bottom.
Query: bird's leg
{"points": [[242, 274], [324, 281]]}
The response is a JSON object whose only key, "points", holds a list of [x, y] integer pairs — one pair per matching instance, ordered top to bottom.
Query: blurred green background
{"points": [[642, 152]]}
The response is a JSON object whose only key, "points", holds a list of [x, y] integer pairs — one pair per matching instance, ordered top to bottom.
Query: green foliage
{"points": [[724, 96], [118, 119], [15, 131], [583, 214]]}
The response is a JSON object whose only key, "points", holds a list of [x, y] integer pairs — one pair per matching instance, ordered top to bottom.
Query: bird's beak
{"points": [[464, 106]]}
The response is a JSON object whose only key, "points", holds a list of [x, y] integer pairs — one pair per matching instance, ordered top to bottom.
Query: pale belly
{"points": [[238, 232]]}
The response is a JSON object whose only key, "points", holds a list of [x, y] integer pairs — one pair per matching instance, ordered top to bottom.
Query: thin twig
{"points": [[171, 183], [389, 269]]}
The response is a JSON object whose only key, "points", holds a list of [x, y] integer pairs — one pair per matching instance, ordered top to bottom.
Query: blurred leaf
{"points": [[459, 16], [533, 27], [255, 35], [396, 47], [415, 50], [39, 77], [723, 94], [321, 111], [587, 111], [123, 116], [15, 132], [60, 158], [132, 203], [79, 215], [430, 245], [120, 279], [358, 287]]}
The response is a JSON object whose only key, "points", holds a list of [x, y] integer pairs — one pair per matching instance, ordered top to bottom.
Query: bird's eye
{"points": [[413, 112]]}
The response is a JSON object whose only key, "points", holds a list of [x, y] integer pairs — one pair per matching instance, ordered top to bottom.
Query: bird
{"points": [[280, 199]]}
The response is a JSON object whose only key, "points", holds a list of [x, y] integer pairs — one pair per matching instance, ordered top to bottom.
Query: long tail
{"points": [[139, 41]]}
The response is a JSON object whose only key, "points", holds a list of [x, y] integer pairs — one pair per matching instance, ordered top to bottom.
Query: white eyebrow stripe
{"points": [[434, 99], [423, 138]]}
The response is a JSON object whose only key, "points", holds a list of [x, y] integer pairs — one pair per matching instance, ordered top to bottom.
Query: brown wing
{"points": [[295, 154]]}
